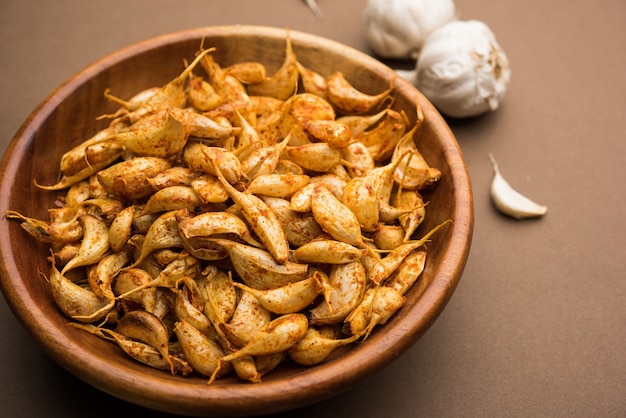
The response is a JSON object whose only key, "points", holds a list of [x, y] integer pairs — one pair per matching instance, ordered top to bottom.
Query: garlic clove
{"points": [[312, 5], [397, 28], [462, 69], [509, 201]]}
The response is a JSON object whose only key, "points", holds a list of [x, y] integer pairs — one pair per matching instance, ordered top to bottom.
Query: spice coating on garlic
{"points": [[398, 28], [462, 69]]}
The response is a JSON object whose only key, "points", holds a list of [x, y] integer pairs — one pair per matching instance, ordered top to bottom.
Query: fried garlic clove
{"points": [[248, 72], [312, 81], [282, 84], [233, 93], [202, 95], [350, 100], [296, 111], [358, 124], [200, 126], [335, 134], [162, 139], [381, 140], [99, 154], [316, 156], [202, 158], [359, 158], [76, 159], [263, 159], [413, 172], [174, 176], [129, 179], [68, 180], [277, 185], [209, 189], [363, 195], [75, 196], [360, 196], [172, 198], [300, 201], [412, 202], [105, 208], [389, 213], [334, 217], [261, 219], [210, 224], [299, 227], [121, 228], [51, 232], [163, 233], [388, 237], [94, 245], [327, 251], [184, 265], [258, 268], [382, 269], [408, 272], [102, 276], [128, 280], [347, 290], [221, 297], [290, 298], [76, 302], [385, 303], [190, 308], [247, 319], [358, 319], [147, 328], [278, 335], [314, 347], [200, 351], [148, 355], [265, 363], [245, 369]]}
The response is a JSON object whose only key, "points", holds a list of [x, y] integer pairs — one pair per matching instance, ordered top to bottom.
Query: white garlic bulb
{"points": [[398, 28], [462, 69]]}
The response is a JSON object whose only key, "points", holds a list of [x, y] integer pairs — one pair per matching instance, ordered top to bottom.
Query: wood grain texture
{"points": [[68, 116]]}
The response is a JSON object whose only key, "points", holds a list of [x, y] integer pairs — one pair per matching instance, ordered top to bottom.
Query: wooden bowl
{"points": [[68, 116]]}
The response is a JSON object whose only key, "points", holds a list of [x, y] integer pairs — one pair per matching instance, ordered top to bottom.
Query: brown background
{"points": [[537, 326]]}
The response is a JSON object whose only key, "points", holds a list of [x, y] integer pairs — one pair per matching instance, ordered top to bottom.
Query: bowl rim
{"points": [[227, 399]]}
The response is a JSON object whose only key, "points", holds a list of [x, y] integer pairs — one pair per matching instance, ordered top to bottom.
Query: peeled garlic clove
{"points": [[312, 4], [398, 28], [462, 69], [284, 82], [509, 201], [276, 336], [314, 347], [202, 353]]}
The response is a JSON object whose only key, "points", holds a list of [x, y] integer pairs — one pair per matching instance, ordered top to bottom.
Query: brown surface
{"points": [[536, 326]]}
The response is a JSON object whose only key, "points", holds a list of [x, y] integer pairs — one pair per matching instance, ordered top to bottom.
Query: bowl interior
{"points": [[68, 116]]}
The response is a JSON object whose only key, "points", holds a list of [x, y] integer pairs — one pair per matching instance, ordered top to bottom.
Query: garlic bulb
{"points": [[398, 28], [462, 69], [509, 201]]}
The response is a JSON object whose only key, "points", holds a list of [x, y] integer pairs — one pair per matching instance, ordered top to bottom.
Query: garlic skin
{"points": [[397, 28], [462, 69], [509, 201]]}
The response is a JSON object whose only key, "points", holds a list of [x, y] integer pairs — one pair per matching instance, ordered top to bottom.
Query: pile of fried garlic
{"points": [[230, 221]]}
